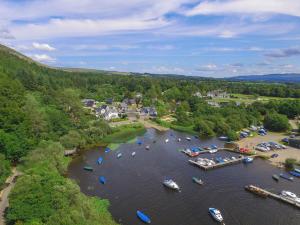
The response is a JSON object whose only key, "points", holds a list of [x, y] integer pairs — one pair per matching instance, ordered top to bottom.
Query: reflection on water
{"points": [[134, 183]]}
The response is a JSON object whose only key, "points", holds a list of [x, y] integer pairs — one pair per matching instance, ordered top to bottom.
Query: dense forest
{"points": [[41, 114]]}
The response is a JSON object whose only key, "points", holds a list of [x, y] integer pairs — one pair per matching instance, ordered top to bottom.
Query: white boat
{"points": [[188, 138], [179, 139], [167, 140], [147, 147], [213, 151], [133, 154], [119, 155], [171, 184], [290, 195], [216, 214]]}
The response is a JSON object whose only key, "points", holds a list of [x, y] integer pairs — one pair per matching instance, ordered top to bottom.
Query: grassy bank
{"points": [[184, 129], [124, 133], [5, 170]]}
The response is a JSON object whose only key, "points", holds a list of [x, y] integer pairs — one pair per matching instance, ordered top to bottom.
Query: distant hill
{"points": [[276, 78]]}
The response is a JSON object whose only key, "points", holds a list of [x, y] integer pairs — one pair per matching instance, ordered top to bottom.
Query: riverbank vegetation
{"points": [[41, 114], [5, 170]]}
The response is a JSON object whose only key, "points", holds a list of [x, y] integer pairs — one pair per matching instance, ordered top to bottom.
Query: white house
{"points": [[107, 112]]}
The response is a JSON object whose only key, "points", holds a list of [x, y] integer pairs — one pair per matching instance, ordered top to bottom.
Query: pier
{"points": [[194, 154], [218, 165], [272, 195]]}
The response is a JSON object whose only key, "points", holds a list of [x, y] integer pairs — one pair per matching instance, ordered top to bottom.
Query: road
{"points": [[5, 193]]}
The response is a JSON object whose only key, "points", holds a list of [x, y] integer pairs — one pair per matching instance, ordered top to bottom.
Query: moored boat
{"points": [[188, 138], [223, 138], [179, 139], [167, 140], [139, 142], [147, 147], [107, 150], [213, 151], [133, 154], [119, 155], [99, 160], [248, 160], [88, 168], [297, 170], [295, 174], [275, 177], [286, 177], [102, 180], [197, 180], [171, 184], [216, 214], [143, 217]]}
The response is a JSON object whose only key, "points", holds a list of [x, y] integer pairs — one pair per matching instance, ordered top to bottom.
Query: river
{"points": [[135, 183]]}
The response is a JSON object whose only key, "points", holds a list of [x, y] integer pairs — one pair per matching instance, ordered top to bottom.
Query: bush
{"points": [[276, 122], [290, 163]]}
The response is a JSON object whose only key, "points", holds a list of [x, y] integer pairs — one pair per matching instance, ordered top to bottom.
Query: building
{"points": [[198, 94], [217, 94], [109, 101], [129, 101], [91, 103], [123, 107], [148, 111], [107, 112]]}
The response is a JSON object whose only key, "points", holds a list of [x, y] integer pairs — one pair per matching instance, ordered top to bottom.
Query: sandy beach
{"points": [[290, 152]]}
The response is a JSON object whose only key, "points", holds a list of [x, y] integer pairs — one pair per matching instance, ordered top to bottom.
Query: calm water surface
{"points": [[136, 183]]}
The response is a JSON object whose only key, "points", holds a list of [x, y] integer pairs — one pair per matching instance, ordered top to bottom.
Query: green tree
{"points": [[276, 122]]}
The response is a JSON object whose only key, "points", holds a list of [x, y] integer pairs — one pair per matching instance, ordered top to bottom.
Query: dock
{"points": [[218, 165], [275, 196]]}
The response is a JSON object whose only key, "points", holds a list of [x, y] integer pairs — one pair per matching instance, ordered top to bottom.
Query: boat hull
{"points": [[143, 217]]}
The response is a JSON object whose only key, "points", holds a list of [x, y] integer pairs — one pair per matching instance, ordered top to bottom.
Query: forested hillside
{"points": [[41, 114]]}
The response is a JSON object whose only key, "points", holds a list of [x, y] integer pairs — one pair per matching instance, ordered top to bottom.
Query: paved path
{"points": [[5, 193]]}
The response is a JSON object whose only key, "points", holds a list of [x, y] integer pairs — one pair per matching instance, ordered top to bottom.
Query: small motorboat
{"points": [[188, 138], [223, 138], [179, 139], [167, 140], [139, 142], [147, 147], [214, 147], [107, 150], [213, 151], [133, 154], [119, 155], [274, 156], [99, 160], [248, 160], [88, 168], [297, 170], [294, 173], [275, 177], [286, 177], [102, 180], [197, 180], [171, 184], [288, 194], [216, 214], [143, 217]]}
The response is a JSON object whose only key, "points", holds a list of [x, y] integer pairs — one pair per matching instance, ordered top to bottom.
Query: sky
{"points": [[212, 38]]}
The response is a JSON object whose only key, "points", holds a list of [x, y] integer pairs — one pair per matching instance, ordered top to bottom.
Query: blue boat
{"points": [[139, 142], [214, 147], [195, 149], [107, 150], [219, 159], [100, 160], [248, 160], [295, 174], [286, 177], [102, 180], [216, 214], [143, 217]]}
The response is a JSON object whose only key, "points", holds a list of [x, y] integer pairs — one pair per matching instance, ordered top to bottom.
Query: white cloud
{"points": [[255, 7], [43, 47], [43, 58], [208, 67]]}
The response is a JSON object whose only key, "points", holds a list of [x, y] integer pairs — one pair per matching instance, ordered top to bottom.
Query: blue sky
{"points": [[216, 38]]}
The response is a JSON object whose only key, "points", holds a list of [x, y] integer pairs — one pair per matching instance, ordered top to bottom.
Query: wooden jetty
{"points": [[218, 165], [272, 195]]}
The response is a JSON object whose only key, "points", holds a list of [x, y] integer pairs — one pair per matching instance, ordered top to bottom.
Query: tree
{"points": [[276, 122], [203, 128], [72, 140]]}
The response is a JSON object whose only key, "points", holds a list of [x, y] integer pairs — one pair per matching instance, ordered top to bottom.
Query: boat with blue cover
{"points": [[139, 142], [214, 147], [107, 150], [219, 159], [99, 160], [248, 160], [294, 173], [286, 177], [102, 180], [216, 214], [143, 217]]}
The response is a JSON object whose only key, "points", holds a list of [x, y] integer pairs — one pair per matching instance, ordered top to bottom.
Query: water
{"points": [[135, 183]]}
